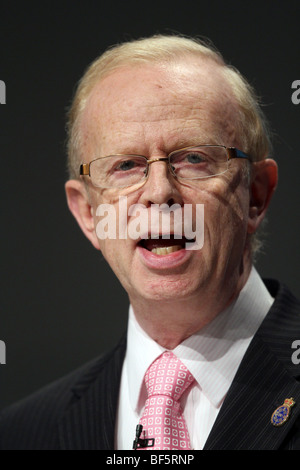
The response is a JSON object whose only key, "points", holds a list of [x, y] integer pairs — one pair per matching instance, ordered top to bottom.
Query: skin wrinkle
{"points": [[189, 94]]}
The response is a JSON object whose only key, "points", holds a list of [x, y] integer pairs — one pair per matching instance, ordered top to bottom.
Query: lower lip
{"points": [[172, 260]]}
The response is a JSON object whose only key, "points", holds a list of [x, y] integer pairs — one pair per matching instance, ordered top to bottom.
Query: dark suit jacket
{"points": [[79, 411]]}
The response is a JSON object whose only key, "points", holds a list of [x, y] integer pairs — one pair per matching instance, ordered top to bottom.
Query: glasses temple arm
{"points": [[236, 153], [84, 169]]}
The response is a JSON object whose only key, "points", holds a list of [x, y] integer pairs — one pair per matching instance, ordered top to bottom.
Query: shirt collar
{"points": [[141, 352], [213, 354]]}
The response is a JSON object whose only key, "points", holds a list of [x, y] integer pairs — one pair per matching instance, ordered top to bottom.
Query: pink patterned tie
{"points": [[166, 380]]}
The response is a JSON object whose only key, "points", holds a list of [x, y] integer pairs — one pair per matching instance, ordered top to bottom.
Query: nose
{"points": [[160, 187]]}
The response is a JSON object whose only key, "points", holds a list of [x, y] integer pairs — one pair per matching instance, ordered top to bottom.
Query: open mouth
{"points": [[161, 246]]}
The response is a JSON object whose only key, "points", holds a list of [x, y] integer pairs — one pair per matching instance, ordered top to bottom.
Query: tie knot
{"points": [[168, 376]]}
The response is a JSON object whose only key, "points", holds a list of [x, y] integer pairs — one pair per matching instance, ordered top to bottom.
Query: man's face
{"points": [[152, 111]]}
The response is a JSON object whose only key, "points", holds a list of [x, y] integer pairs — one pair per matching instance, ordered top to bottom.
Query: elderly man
{"points": [[206, 362]]}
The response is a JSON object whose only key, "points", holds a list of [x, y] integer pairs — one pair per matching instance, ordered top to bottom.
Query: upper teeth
{"points": [[166, 250]]}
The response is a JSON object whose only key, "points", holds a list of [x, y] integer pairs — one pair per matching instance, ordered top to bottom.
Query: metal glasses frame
{"points": [[232, 152]]}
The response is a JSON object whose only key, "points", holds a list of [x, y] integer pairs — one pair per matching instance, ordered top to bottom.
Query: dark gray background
{"points": [[60, 303]]}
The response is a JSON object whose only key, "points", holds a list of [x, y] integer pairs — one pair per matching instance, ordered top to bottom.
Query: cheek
{"points": [[225, 212], [111, 219], [115, 248], [118, 257]]}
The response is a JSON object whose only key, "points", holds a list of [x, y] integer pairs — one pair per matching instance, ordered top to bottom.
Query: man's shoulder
{"points": [[284, 299], [284, 314], [281, 326], [35, 418]]}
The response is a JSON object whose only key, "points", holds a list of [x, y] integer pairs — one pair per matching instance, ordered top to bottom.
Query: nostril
{"points": [[171, 202]]}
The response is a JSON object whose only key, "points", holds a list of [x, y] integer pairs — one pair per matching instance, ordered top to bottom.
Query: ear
{"points": [[263, 184], [79, 205]]}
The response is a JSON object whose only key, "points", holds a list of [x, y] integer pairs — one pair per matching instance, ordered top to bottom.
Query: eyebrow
{"points": [[203, 138], [177, 144]]}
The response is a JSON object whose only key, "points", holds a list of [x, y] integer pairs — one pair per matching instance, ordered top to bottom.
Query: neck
{"points": [[170, 322]]}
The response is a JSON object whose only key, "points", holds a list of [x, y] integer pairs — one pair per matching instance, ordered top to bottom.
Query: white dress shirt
{"points": [[212, 355]]}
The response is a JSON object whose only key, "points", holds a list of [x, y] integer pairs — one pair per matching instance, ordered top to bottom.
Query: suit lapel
{"points": [[265, 378], [261, 385], [89, 422]]}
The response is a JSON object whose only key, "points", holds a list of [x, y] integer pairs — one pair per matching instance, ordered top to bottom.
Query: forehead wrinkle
{"points": [[170, 109], [203, 111], [213, 124], [146, 137]]}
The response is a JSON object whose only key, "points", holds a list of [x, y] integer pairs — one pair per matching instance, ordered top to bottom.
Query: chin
{"points": [[167, 289]]}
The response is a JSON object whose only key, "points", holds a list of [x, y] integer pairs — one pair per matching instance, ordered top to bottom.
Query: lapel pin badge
{"points": [[282, 413]]}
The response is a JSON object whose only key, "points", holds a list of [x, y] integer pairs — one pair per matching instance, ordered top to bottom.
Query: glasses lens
{"points": [[199, 162], [118, 171]]}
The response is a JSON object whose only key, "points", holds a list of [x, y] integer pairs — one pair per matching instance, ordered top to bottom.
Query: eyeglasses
{"points": [[189, 163]]}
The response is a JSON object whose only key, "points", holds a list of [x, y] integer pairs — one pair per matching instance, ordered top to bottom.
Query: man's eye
{"points": [[194, 158], [126, 165]]}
